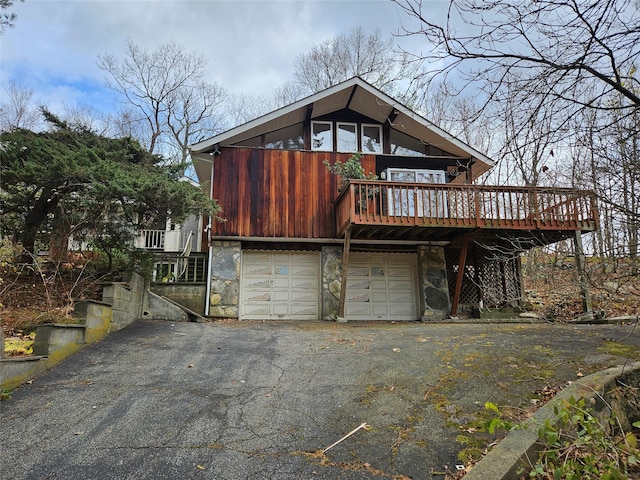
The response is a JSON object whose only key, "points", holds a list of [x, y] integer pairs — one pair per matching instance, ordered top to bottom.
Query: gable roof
{"points": [[357, 95]]}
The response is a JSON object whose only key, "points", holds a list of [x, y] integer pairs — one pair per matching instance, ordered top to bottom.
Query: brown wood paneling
{"points": [[277, 193], [257, 195]]}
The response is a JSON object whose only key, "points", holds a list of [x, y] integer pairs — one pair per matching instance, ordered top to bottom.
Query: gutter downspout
{"points": [[207, 300]]}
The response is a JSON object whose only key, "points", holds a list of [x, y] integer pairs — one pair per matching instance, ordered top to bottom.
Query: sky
{"points": [[250, 45]]}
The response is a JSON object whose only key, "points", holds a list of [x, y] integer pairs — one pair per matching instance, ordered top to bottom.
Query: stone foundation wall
{"points": [[331, 275], [225, 280], [433, 283]]}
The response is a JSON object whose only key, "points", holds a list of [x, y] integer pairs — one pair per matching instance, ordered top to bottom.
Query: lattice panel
{"points": [[495, 280], [491, 281], [500, 281]]}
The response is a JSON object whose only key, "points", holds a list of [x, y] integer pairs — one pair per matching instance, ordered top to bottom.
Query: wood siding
{"points": [[277, 193]]}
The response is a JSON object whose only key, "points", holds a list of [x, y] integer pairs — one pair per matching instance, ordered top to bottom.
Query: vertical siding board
{"points": [[278, 162], [368, 164], [239, 167], [225, 185], [287, 193], [267, 194], [282, 195], [296, 196], [304, 196], [255, 197], [324, 203], [312, 206], [241, 222]]}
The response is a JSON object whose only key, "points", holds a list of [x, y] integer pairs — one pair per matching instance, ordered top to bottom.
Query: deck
{"points": [[383, 210]]}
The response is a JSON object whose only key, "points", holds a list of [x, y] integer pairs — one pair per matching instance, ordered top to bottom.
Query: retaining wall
{"points": [[122, 304], [520, 448]]}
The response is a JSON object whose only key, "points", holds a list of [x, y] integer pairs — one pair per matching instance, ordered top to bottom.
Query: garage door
{"points": [[280, 285], [381, 287]]}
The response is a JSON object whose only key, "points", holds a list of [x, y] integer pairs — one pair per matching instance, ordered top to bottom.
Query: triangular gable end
{"points": [[361, 97]]}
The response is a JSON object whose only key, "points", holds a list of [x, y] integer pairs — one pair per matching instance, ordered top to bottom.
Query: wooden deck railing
{"points": [[465, 206]]}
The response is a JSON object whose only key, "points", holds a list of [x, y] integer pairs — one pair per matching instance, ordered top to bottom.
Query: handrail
{"points": [[456, 205]]}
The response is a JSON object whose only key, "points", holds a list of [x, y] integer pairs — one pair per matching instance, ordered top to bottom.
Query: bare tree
{"points": [[7, 19], [575, 51], [369, 56], [543, 64], [164, 91], [242, 108], [19, 109], [457, 113], [192, 115], [85, 117], [126, 122], [531, 141]]}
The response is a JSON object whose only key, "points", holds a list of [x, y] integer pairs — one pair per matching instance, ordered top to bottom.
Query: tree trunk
{"points": [[45, 204]]}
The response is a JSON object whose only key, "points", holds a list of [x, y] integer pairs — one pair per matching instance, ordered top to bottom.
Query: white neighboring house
{"points": [[174, 246]]}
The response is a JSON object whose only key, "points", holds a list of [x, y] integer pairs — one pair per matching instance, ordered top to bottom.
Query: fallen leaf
{"points": [[396, 349], [199, 467]]}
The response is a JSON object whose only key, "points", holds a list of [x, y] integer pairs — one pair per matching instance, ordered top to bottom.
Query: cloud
{"points": [[250, 45]]}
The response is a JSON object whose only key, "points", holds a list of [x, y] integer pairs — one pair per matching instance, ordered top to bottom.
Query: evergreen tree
{"points": [[71, 181]]}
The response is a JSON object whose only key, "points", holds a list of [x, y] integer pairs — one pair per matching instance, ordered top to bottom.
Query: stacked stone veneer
{"points": [[331, 277], [225, 280], [433, 284]]}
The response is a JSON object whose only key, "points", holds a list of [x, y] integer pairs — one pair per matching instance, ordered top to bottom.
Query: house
{"points": [[422, 241], [176, 247]]}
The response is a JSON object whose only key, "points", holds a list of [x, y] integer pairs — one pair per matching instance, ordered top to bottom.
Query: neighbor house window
{"points": [[322, 136], [347, 137], [371, 138]]}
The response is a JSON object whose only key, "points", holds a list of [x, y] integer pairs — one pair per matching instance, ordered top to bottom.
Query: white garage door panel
{"points": [[280, 285], [381, 287]]}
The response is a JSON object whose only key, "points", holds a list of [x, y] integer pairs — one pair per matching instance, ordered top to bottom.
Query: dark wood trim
{"points": [[351, 95], [306, 127], [461, 266], [344, 270]]}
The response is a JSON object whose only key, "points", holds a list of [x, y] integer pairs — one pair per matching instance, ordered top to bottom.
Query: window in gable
{"points": [[322, 136], [347, 137], [288, 138], [371, 138], [406, 145]]}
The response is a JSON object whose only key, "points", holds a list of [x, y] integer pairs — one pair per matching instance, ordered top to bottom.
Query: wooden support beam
{"points": [[461, 266], [345, 268], [587, 305]]}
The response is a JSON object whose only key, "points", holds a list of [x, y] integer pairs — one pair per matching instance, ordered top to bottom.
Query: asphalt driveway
{"points": [[255, 400]]}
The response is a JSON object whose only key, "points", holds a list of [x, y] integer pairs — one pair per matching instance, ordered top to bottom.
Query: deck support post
{"points": [[345, 266], [461, 266], [587, 305]]}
